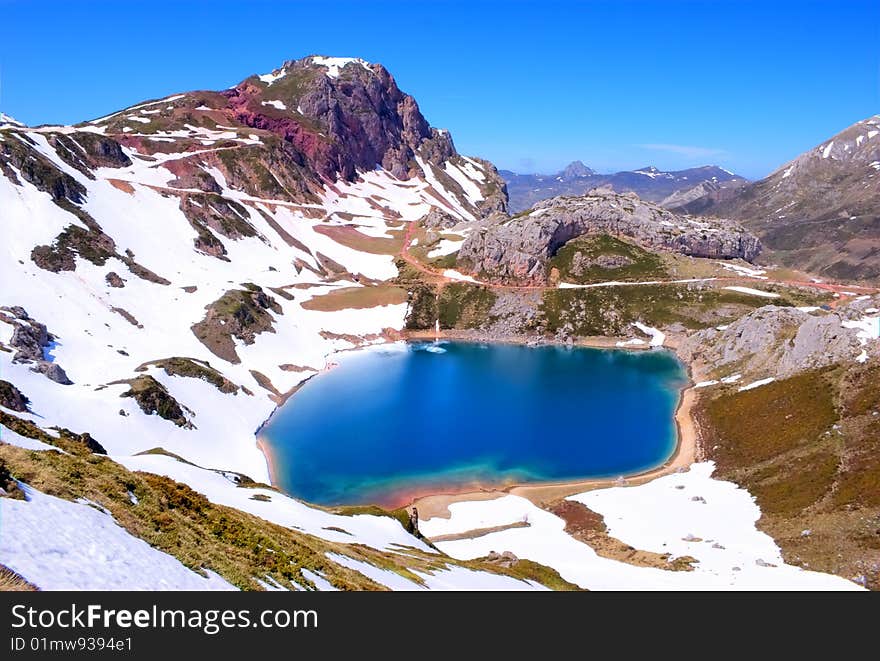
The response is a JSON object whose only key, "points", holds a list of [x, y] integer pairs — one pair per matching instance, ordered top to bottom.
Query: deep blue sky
{"points": [[529, 85]]}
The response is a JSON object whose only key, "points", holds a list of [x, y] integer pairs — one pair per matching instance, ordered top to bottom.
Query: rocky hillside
{"points": [[648, 183], [701, 197], [821, 211], [520, 247], [172, 272], [156, 276], [802, 433]]}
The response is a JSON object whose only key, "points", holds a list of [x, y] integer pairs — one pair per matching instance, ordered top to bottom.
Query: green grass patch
{"points": [[597, 258], [464, 305], [611, 310], [194, 369]]}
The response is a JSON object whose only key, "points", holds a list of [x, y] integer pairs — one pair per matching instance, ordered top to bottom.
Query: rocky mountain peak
{"points": [[343, 114], [289, 134], [856, 145], [576, 169], [820, 210]]}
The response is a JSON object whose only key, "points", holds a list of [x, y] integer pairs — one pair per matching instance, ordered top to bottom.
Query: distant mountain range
{"points": [[648, 183]]}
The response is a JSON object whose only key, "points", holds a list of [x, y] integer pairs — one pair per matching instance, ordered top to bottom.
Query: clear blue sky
{"points": [[529, 85]]}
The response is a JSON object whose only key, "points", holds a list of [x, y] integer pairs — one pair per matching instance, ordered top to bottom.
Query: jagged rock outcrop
{"points": [[365, 117], [310, 123], [436, 219], [520, 247], [241, 314], [29, 339], [782, 341], [152, 397], [12, 398]]}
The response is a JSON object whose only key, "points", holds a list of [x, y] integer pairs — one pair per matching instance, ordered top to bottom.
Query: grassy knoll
{"points": [[603, 257], [808, 448]]}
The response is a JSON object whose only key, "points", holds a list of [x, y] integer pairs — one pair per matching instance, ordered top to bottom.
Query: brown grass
{"points": [[124, 186], [349, 237], [357, 298], [756, 425], [808, 449], [174, 518], [12, 582]]}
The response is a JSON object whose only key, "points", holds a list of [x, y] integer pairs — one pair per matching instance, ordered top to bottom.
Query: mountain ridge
{"points": [[649, 183], [821, 210]]}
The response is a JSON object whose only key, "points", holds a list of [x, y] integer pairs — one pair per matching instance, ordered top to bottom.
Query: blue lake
{"points": [[393, 423]]}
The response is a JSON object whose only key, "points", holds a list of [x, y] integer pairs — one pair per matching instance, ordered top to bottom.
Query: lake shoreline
{"points": [[541, 493], [436, 503]]}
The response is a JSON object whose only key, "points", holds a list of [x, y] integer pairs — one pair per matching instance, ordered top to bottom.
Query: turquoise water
{"points": [[390, 424]]}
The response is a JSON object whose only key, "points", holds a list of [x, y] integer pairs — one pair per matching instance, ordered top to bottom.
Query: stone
{"points": [[518, 248], [12, 398]]}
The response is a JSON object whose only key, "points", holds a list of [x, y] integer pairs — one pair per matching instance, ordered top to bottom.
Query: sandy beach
{"points": [[544, 492]]}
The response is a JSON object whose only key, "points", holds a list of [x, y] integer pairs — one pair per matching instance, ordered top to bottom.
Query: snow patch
{"points": [[336, 64], [455, 275], [753, 292], [657, 337], [757, 384], [60, 545]]}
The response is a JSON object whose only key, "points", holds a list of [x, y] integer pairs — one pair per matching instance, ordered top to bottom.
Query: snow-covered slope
{"points": [[123, 234], [159, 273], [684, 514], [60, 545]]}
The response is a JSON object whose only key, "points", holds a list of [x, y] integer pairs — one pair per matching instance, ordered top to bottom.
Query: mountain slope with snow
{"points": [[820, 212], [169, 274]]}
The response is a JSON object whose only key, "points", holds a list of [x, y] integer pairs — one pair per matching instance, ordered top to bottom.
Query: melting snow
{"points": [[336, 64], [276, 75], [275, 104], [445, 247], [744, 270], [455, 275], [753, 292], [657, 337], [757, 384], [719, 531]]}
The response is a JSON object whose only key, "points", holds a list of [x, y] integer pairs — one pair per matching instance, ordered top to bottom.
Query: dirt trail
{"points": [[419, 265]]}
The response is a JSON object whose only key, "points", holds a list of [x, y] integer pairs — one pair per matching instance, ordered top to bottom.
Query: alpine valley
{"points": [[173, 272]]}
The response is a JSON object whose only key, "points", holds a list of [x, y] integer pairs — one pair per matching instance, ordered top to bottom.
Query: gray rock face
{"points": [[702, 196], [436, 219], [519, 248], [29, 339], [779, 342], [53, 372], [12, 398]]}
